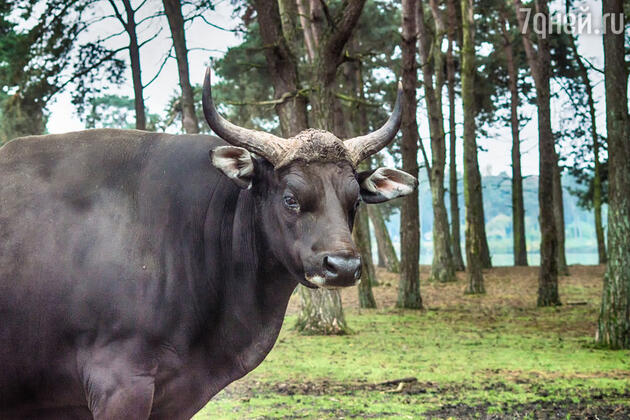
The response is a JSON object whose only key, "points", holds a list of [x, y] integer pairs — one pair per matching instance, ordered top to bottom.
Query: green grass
{"points": [[468, 363]]}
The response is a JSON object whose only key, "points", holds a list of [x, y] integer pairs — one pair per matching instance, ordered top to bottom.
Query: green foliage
{"points": [[39, 60], [111, 111], [114, 111]]}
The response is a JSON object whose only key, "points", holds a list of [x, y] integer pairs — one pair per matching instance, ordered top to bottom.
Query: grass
{"points": [[493, 356]]}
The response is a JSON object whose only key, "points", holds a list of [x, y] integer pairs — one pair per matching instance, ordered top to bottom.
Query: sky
{"points": [[205, 41]]}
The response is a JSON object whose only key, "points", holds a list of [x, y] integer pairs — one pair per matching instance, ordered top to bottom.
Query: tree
{"points": [[173, 11], [128, 21], [279, 35], [42, 56], [431, 62], [540, 62], [114, 111], [354, 119], [452, 162], [597, 165], [472, 178], [518, 208], [558, 214], [383, 240], [409, 284], [366, 297], [614, 318]]}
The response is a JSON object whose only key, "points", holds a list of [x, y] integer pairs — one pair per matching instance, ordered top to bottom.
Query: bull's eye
{"points": [[291, 203]]}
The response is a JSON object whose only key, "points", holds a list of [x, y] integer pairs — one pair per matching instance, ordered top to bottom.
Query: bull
{"points": [[140, 273]]}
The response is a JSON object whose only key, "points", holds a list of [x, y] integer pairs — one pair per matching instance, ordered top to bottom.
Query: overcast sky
{"points": [[205, 41]]}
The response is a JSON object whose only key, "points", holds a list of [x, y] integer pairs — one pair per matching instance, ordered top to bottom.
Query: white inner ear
{"points": [[235, 162], [390, 183]]}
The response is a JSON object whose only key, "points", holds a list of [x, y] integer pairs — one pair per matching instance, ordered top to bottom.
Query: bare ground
{"points": [[507, 287]]}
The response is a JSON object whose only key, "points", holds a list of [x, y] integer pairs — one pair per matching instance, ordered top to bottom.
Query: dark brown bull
{"points": [[137, 281]]}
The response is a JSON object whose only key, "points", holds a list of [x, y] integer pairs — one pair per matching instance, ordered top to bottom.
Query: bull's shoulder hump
{"points": [[124, 143]]}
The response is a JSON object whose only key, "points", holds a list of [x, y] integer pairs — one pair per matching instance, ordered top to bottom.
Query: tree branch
{"points": [[118, 15], [150, 39], [166, 57]]}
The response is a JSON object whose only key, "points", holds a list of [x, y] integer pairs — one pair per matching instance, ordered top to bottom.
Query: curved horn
{"points": [[264, 144], [365, 146]]}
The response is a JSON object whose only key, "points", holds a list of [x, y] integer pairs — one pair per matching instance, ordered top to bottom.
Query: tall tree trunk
{"points": [[173, 10], [278, 34], [134, 57], [540, 62], [351, 126], [472, 178], [597, 179], [518, 208], [558, 213], [361, 235], [383, 240], [486, 258], [381, 261], [458, 261], [442, 269], [409, 284], [321, 313], [614, 318]]}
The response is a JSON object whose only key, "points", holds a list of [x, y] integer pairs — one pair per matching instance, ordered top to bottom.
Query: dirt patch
{"points": [[519, 376], [591, 404], [536, 410]]}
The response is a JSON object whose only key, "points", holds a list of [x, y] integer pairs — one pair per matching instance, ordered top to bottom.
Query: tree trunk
{"points": [[173, 10], [276, 22], [540, 62], [136, 73], [350, 126], [472, 178], [597, 180], [597, 192], [518, 208], [558, 213], [383, 240], [486, 258], [381, 261], [458, 261], [442, 269], [368, 276], [548, 276], [409, 284], [321, 313], [614, 318]]}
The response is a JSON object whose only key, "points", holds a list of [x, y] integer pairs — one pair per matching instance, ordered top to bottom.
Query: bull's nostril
{"points": [[329, 266]]}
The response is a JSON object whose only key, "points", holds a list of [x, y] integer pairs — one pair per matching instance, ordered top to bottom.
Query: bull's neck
{"points": [[252, 287]]}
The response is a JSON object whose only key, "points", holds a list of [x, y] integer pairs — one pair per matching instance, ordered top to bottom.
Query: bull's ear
{"points": [[235, 162], [384, 184]]}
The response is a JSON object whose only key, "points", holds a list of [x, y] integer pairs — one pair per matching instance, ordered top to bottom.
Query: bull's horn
{"points": [[264, 144], [363, 147]]}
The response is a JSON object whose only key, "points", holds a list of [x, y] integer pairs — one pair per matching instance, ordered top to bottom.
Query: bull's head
{"points": [[307, 190]]}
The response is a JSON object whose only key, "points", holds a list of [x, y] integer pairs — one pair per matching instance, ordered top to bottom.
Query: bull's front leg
{"points": [[118, 380]]}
